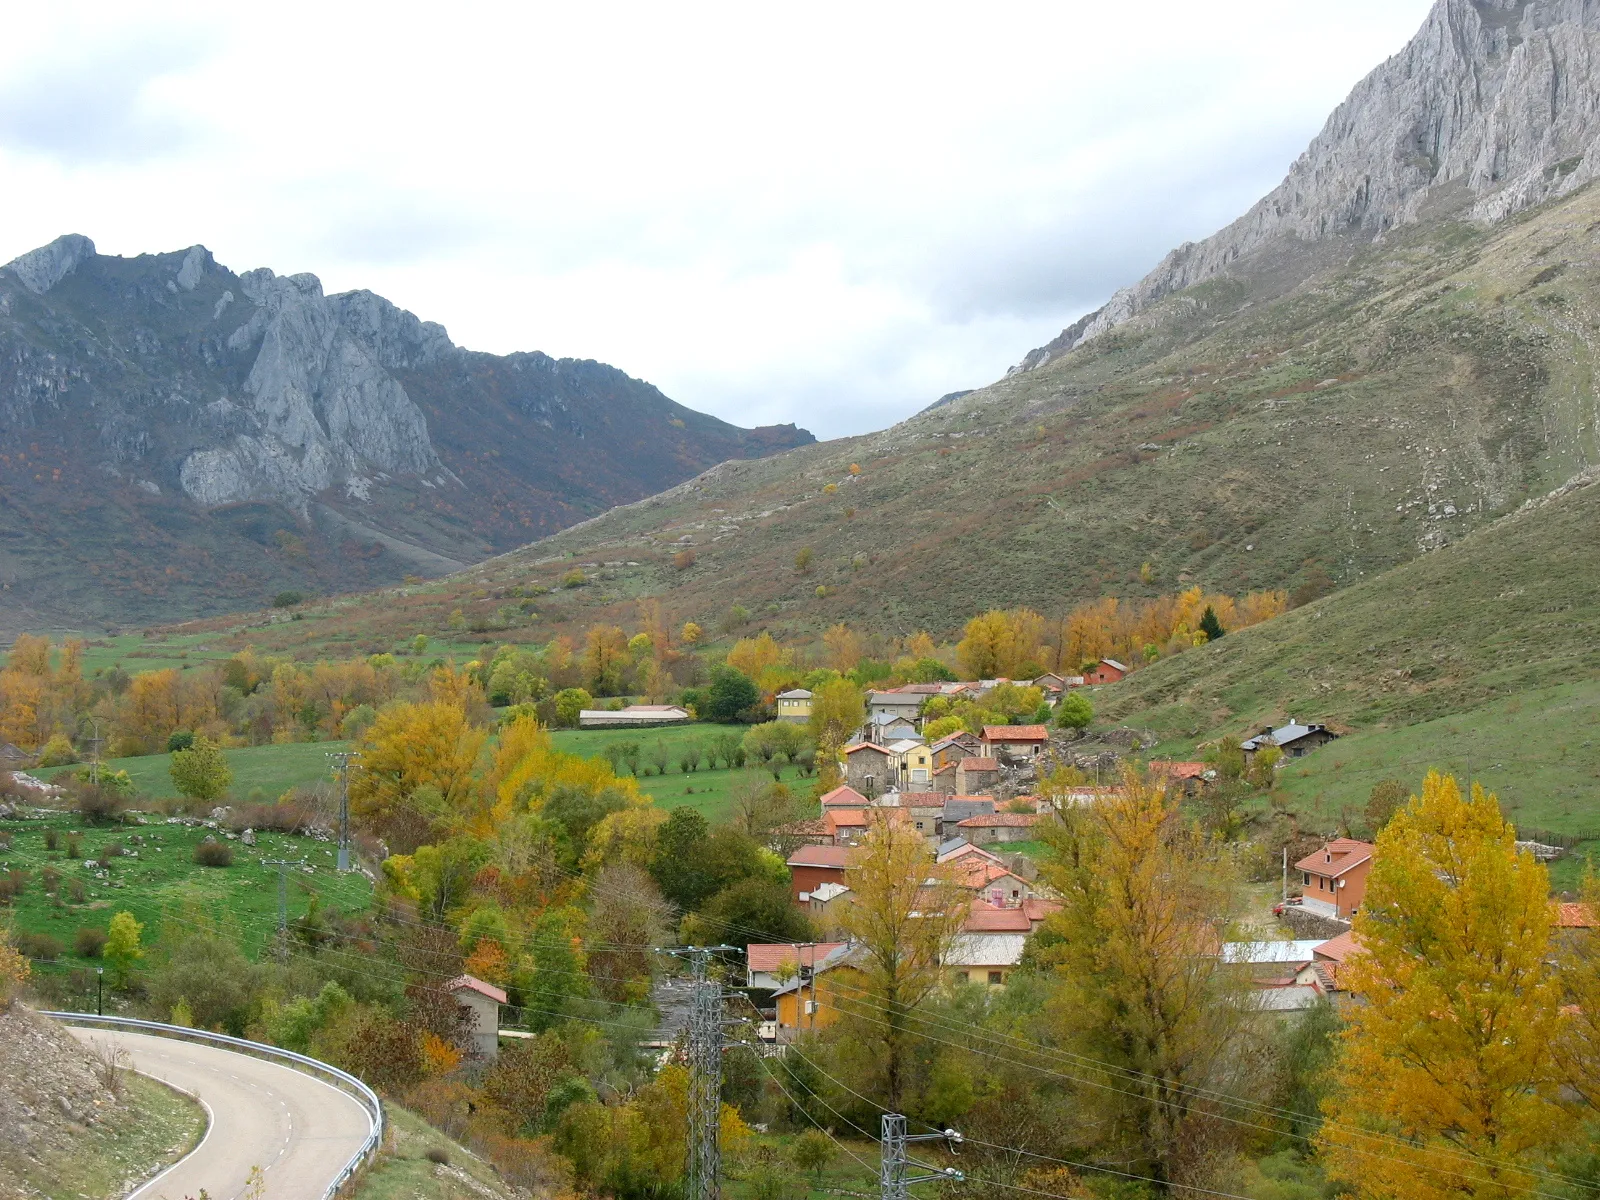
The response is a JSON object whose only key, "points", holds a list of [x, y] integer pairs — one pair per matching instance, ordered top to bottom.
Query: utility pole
{"points": [[343, 757], [94, 762], [283, 865], [1285, 896], [705, 1074], [894, 1177]]}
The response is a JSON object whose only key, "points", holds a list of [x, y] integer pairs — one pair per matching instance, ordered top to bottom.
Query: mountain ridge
{"points": [[306, 441]]}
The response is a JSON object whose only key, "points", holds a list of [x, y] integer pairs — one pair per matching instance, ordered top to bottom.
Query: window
{"points": [[1305, 879], [995, 977]]}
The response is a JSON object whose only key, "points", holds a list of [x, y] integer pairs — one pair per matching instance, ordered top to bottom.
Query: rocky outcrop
{"points": [[1492, 107], [40, 270], [319, 405]]}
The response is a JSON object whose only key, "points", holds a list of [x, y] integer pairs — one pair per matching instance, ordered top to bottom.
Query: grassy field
{"points": [[272, 769], [711, 792], [162, 886], [153, 1127]]}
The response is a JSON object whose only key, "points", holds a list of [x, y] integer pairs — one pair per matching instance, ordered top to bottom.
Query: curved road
{"points": [[298, 1129]]}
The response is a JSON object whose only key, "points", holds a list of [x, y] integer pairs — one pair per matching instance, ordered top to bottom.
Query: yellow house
{"points": [[794, 705], [916, 765], [821, 996]]}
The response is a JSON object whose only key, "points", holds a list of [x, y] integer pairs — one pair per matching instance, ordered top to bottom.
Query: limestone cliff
{"points": [[1492, 107]]}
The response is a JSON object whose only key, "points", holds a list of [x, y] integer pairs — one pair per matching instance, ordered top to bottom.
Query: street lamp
{"points": [[99, 991]]}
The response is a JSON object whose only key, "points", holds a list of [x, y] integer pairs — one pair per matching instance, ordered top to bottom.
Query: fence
{"points": [[343, 1080]]}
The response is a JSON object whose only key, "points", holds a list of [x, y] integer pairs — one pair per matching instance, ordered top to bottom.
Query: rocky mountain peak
{"points": [[1487, 111], [40, 270]]}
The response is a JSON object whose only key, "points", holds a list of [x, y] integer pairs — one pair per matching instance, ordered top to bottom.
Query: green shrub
{"points": [[287, 599], [180, 739], [57, 752], [212, 853], [89, 942], [39, 946]]}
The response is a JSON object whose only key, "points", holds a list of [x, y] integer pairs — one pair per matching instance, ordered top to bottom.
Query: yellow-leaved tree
{"points": [[837, 711], [410, 747], [907, 915], [1141, 993], [1447, 1083]]}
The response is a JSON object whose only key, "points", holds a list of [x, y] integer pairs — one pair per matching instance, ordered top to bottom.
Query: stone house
{"points": [[869, 768], [977, 776], [990, 828]]}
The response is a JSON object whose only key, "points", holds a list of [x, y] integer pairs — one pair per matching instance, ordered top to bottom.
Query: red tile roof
{"points": [[1015, 733], [867, 746], [980, 764], [1177, 770], [846, 796], [920, 800], [845, 816], [1000, 821], [1346, 852], [822, 856], [1039, 908], [1574, 916], [986, 918], [1337, 949], [771, 956], [471, 983]]}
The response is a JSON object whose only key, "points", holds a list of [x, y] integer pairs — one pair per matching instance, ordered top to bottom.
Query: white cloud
{"points": [[829, 215]]}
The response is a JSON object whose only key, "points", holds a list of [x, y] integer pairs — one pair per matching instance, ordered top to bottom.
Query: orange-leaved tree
{"points": [[1447, 1084]]}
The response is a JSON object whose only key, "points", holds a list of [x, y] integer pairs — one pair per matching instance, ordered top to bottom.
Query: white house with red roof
{"points": [[481, 1000]]}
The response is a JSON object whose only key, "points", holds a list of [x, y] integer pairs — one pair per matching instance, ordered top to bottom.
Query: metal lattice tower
{"points": [[343, 757], [705, 1079], [892, 1164], [894, 1177]]}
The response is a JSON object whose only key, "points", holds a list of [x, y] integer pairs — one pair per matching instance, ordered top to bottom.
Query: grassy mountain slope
{"points": [[1250, 432], [1481, 658]]}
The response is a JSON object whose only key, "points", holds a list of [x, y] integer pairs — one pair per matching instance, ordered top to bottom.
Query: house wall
{"points": [[794, 710], [865, 764], [803, 879], [1345, 899], [485, 1022]]}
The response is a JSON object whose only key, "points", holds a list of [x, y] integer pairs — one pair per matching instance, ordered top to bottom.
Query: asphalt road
{"points": [[297, 1129]]}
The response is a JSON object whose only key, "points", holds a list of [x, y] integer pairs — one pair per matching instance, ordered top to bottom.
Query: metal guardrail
{"points": [[346, 1082]]}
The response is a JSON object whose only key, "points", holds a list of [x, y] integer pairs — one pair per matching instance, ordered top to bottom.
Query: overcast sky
{"points": [[826, 214]]}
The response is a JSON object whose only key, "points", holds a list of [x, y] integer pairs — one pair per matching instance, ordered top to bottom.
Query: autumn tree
{"points": [[690, 634], [1001, 643], [843, 647], [605, 658], [837, 711], [411, 746], [201, 772], [907, 915], [1141, 994], [1448, 1063]]}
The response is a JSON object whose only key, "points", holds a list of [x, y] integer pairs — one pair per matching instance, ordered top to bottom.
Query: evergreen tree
{"points": [[1210, 626]]}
